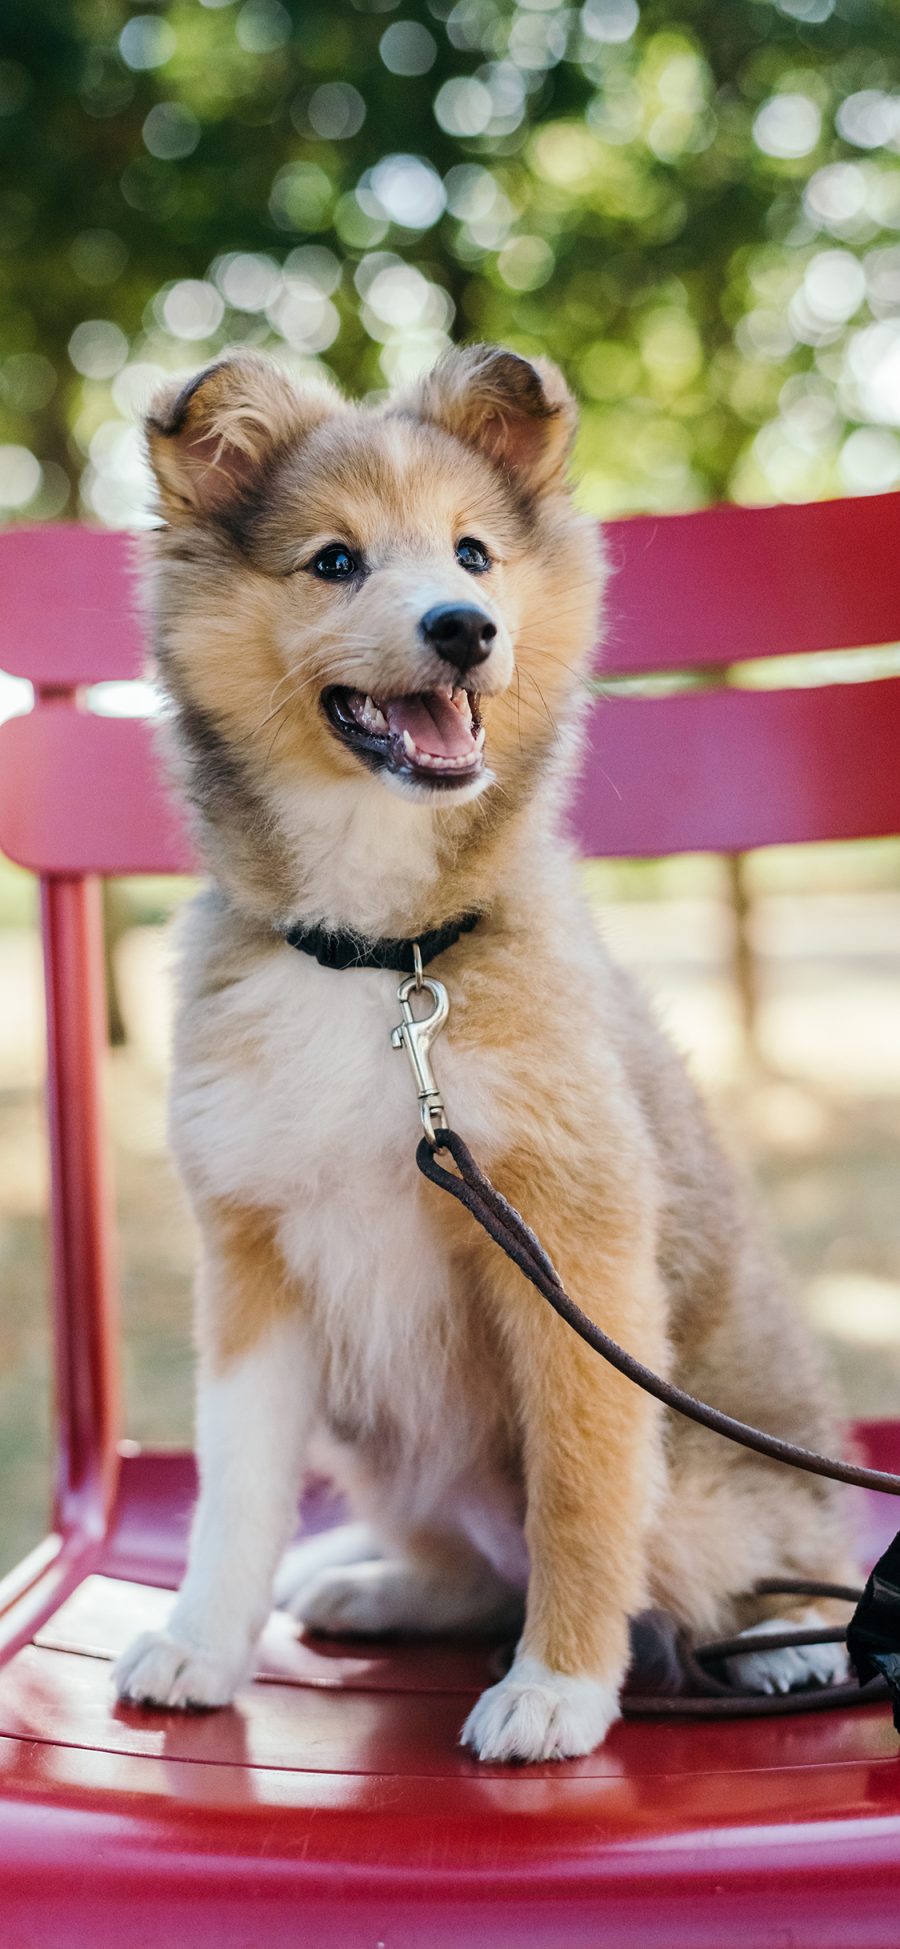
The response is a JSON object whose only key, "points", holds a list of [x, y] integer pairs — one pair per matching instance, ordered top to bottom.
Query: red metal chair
{"points": [[331, 1806]]}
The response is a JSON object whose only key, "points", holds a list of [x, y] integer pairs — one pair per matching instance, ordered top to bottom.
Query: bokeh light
{"points": [[262, 26], [146, 41], [408, 48], [336, 111], [787, 126], [170, 131], [408, 190], [696, 211], [192, 309], [98, 348], [20, 477]]}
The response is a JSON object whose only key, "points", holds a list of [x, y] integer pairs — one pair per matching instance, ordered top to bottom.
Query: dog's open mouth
{"points": [[433, 736]]}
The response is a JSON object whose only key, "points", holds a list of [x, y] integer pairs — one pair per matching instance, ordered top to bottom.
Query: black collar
{"points": [[344, 950]]}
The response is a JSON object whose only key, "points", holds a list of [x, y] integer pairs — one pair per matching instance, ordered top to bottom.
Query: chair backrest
{"points": [[723, 764]]}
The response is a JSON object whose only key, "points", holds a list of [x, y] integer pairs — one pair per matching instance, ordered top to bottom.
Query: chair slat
{"points": [[729, 583], [689, 590], [68, 608], [728, 770], [712, 771], [84, 794]]}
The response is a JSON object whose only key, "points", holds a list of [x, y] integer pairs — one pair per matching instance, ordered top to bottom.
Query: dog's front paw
{"points": [[793, 1667], [159, 1669], [538, 1714]]}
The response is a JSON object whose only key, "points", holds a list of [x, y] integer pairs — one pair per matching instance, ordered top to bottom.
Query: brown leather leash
{"points": [[872, 1636]]}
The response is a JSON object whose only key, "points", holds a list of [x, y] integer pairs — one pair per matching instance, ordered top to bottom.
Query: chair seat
{"points": [[332, 1806]]}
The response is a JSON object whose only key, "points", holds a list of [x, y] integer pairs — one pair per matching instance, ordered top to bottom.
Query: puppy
{"points": [[373, 626]]}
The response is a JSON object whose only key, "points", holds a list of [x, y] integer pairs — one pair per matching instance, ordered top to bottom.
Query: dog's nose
{"points": [[460, 632]]}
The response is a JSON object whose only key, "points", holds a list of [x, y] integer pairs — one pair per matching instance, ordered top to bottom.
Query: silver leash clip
{"points": [[416, 1034]]}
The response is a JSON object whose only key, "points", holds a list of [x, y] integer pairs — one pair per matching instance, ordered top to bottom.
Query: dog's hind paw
{"points": [[302, 1566], [360, 1599], [368, 1599], [793, 1667], [538, 1714]]}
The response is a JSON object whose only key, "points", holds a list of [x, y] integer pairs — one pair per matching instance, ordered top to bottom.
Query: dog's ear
{"points": [[518, 411], [210, 438]]}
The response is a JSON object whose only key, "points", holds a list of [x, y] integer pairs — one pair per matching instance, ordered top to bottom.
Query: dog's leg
{"points": [[252, 1424], [592, 1464]]}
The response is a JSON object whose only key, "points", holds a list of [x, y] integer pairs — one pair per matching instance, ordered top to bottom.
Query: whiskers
{"points": [[299, 685], [538, 706], [274, 709], [551, 720]]}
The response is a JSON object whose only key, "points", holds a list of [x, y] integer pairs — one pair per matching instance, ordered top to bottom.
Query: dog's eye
{"points": [[473, 555], [335, 562]]}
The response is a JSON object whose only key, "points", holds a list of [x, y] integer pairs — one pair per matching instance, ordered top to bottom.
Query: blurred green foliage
{"points": [[693, 204]]}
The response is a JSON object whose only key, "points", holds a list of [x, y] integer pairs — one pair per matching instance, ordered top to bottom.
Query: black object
{"points": [[343, 950], [873, 1634]]}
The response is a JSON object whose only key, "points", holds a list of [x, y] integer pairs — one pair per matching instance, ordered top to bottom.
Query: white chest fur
{"points": [[311, 1113]]}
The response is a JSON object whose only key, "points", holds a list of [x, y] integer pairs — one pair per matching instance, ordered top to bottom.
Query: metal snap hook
{"points": [[416, 1034]]}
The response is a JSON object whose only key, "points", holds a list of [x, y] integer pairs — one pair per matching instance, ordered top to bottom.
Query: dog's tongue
{"points": [[434, 724]]}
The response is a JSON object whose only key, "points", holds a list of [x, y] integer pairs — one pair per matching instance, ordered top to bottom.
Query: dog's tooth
{"points": [[373, 718], [409, 745]]}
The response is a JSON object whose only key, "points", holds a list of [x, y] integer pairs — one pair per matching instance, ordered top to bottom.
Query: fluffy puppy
{"points": [[373, 625]]}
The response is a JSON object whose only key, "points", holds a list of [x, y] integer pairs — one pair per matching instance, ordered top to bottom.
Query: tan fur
{"points": [[565, 1088], [243, 1284]]}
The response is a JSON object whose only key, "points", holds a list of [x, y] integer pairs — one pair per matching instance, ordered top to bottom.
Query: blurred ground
{"points": [[817, 1116]]}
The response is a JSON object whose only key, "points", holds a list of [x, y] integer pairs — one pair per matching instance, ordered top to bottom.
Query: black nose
{"points": [[459, 632]]}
